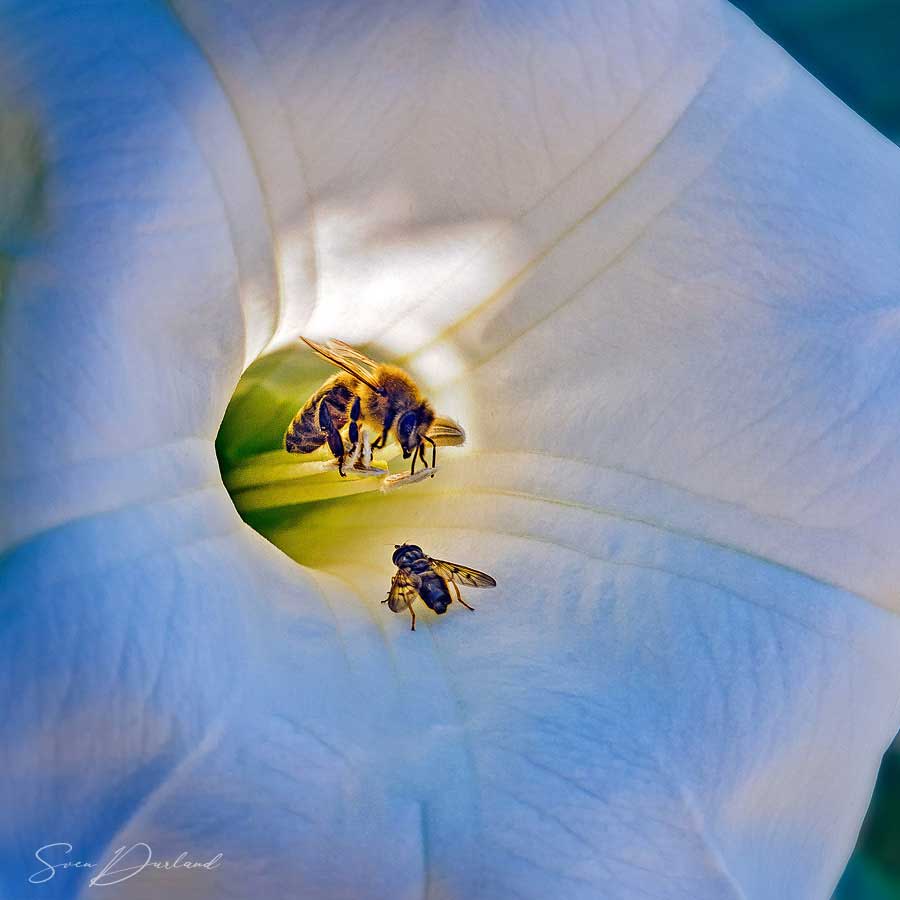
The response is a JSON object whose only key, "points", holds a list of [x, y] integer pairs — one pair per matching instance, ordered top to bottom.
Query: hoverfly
{"points": [[381, 396], [419, 575]]}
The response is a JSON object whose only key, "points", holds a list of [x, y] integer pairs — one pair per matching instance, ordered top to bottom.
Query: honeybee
{"points": [[367, 393], [419, 575]]}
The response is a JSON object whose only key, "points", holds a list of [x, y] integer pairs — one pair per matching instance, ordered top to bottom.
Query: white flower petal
{"points": [[647, 262]]}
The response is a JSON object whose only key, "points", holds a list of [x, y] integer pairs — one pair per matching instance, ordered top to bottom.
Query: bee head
{"points": [[412, 427]]}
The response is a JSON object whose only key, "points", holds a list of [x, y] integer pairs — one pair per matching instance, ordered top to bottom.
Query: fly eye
{"points": [[405, 426]]}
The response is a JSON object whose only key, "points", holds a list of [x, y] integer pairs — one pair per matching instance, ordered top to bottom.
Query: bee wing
{"points": [[344, 349], [345, 357], [446, 433], [461, 574], [403, 591]]}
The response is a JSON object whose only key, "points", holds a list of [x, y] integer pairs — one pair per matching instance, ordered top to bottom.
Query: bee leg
{"points": [[354, 431], [382, 440], [335, 444], [433, 454], [415, 456], [459, 596], [413, 626]]}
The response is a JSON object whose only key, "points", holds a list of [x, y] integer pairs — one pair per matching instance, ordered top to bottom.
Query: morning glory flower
{"points": [[646, 261]]}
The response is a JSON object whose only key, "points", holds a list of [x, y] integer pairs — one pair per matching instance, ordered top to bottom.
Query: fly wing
{"points": [[345, 357], [461, 574], [404, 590]]}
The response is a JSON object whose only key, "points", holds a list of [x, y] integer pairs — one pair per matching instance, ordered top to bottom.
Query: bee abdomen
{"points": [[304, 435]]}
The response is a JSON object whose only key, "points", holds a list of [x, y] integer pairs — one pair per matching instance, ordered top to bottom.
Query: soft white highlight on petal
{"points": [[649, 264]]}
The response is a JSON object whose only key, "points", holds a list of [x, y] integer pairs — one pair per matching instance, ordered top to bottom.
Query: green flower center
{"points": [[288, 497]]}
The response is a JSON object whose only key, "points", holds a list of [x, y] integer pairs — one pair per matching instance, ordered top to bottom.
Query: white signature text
{"points": [[125, 863]]}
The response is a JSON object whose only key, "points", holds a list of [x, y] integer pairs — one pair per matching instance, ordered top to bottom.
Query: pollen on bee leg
{"points": [[354, 456], [361, 461], [402, 479]]}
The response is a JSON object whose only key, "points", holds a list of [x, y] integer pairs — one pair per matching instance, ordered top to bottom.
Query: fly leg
{"points": [[335, 444], [393, 582], [391, 591], [459, 597], [411, 611]]}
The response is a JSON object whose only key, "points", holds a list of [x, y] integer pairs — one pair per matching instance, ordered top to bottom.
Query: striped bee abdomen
{"points": [[304, 435]]}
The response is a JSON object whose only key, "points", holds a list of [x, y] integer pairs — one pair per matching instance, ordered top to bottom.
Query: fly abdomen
{"points": [[304, 434], [433, 591]]}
